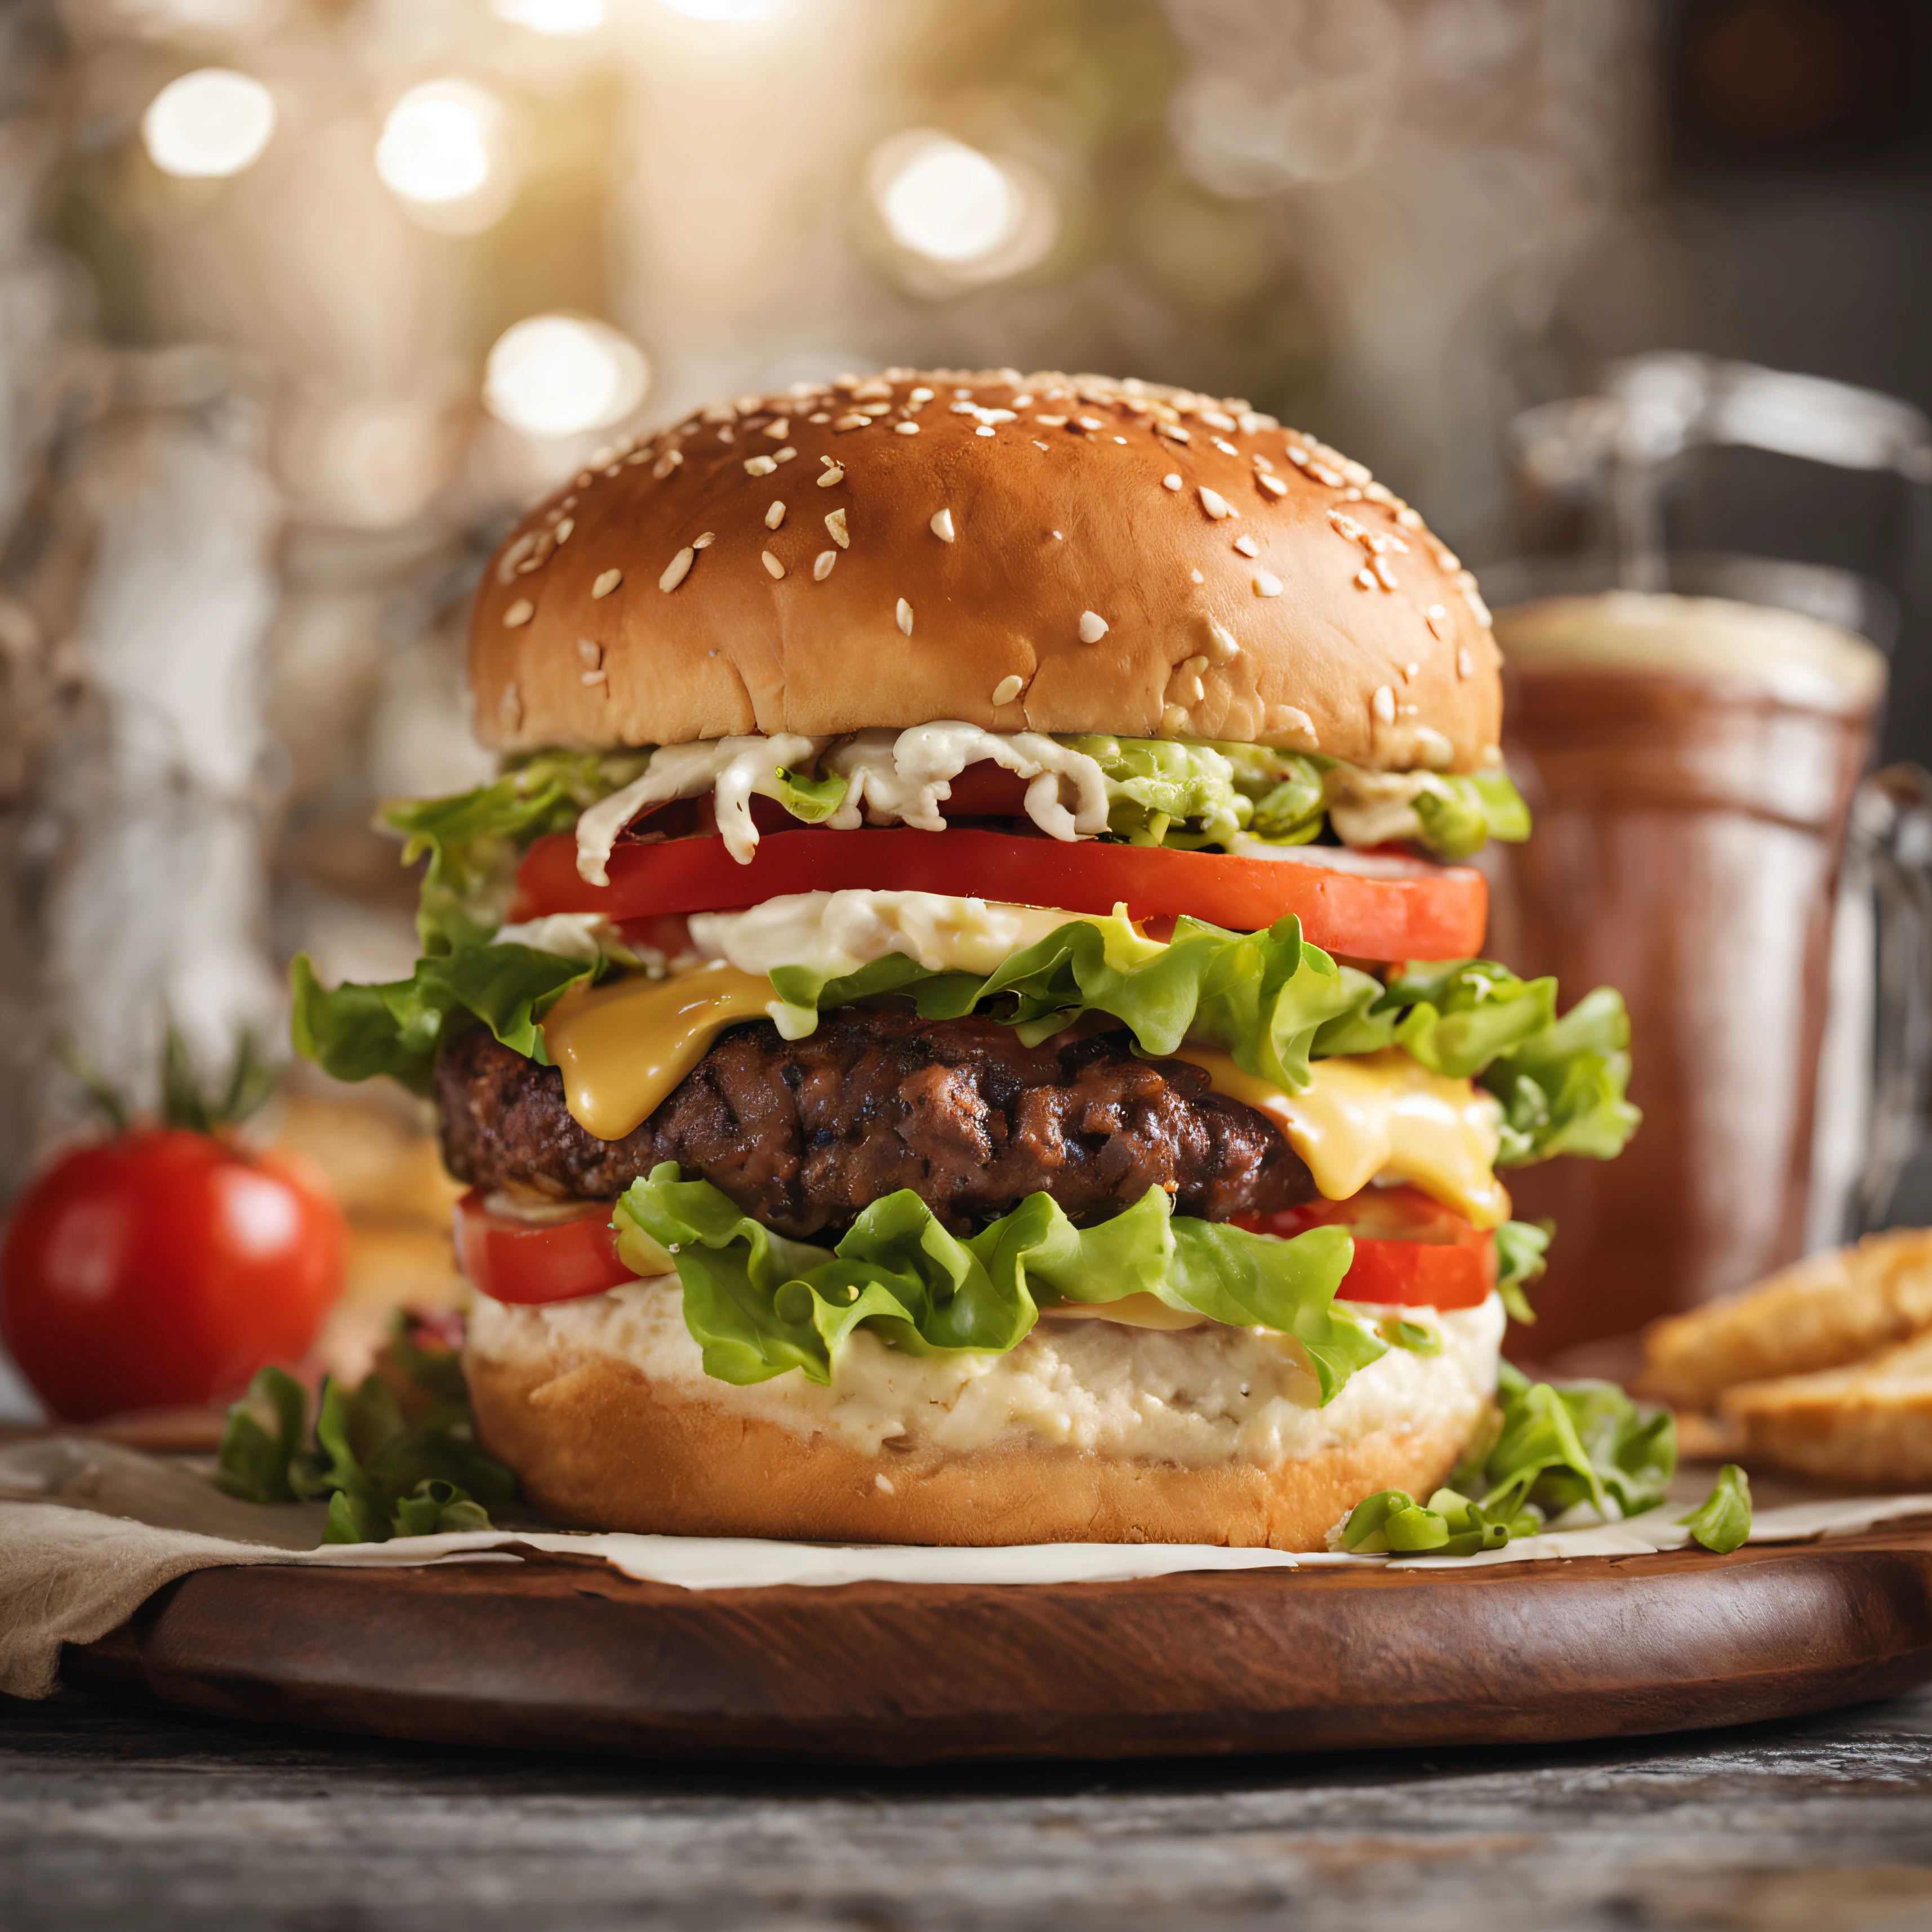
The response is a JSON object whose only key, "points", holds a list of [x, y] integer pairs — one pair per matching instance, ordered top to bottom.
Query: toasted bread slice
{"points": [[1824, 1312], [1870, 1424]]}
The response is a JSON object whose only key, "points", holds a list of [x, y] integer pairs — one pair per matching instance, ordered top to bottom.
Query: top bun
{"points": [[1047, 553]]}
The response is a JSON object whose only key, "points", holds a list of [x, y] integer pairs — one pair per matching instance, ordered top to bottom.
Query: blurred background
{"points": [[300, 300]]}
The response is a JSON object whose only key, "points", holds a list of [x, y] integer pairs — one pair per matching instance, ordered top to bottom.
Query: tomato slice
{"points": [[1405, 909], [1410, 1251], [528, 1262]]}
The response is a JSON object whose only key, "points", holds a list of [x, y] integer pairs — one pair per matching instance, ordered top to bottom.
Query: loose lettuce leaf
{"points": [[1459, 816], [474, 837], [356, 1032], [759, 1305], [1562, 1443], [1554, 1445], [383, 1477], [1722, 1521]]}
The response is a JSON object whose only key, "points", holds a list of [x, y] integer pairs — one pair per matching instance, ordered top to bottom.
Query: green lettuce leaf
{"points": [[1459, 815], [475, 838], [1262, 996], [355, 1032], [1561, 1081], [1522, 1255], [759, 1305], [1553, 1445], [383, 1476], [1722, 1521]]}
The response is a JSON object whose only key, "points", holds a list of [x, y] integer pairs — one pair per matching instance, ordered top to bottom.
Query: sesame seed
{"points": [[920, 396], [1019, 402], [819, 416], [855, 421], [1051, 422], [1090, 422], [907, 429], [984, 429], [779, 430], [1174, 431], [1121, 440], [1039, 445], [1225, 449], [786, 455], [1298, 456], [1261, 462], [666, 463], [760, 465], [1357, 473], [1323, 474], [834, 475], [582, 479], [1171, 481], [1274, 485], [1378, 492], [1351, 495], [1216, 505], [774, 515], [1410, 520], [835, 523], [941, 525], [564, 528], [1057, 535], [704, 542], [1247, 547], [771, 563], [821, 565], [677, 570], [1197, 576], [1384, 576], [1363, 579], [607, 582], [1266, 584], [519, 613], [903, 614], [1437, 619], [1092, 627], [1222, 647], [591, 653], [1197, 664], [1464, 665], [1411, 672], [592, 677], [1008, 689], [1192, 689], [1383, 704], [1409, 710], [1173, 721], [883, 1484]]}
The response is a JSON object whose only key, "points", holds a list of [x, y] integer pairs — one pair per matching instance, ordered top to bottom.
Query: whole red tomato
{"points": [[163, 1266]]}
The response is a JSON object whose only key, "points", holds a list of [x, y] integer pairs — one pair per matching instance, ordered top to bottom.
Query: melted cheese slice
{"points": [[621, 1049], [1380, 1113]]}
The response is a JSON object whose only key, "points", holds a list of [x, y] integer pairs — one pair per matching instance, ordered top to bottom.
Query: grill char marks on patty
{"points": [[802, 1134]]}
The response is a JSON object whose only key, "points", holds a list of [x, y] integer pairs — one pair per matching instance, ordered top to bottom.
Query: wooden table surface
{"points": [[112, 1816]]}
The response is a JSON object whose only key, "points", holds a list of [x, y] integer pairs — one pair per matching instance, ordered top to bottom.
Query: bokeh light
{"points": [[723, 10], [552, 16], [208, 124], [436, 146], [947, 202], [559, 375]]}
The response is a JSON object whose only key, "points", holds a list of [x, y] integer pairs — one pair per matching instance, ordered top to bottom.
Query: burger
{"points": [[962, 1016]]}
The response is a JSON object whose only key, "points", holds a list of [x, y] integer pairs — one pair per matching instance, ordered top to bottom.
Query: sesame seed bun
{"points": [[1047, 553]]}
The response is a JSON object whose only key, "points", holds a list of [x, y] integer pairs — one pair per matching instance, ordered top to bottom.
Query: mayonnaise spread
{"points": [[1211, 1395]]}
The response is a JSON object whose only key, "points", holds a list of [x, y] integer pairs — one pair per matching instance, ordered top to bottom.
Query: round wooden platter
{"points": [[567, 1653]]}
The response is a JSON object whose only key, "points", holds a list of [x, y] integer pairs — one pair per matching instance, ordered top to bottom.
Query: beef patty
{"points": [[802, 1134]]}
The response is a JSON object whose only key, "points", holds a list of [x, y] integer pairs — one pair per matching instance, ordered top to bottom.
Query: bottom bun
{"points": [[602, 1439]]}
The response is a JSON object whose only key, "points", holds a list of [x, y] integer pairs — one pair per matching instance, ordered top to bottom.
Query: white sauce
{"points": [[735, 769], [902, 776], [906, 776], [836, 933], [586, 937], [1202, 1398]]}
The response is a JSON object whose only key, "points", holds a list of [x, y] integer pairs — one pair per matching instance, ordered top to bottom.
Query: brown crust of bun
{"points": [[1376, 650], [596, 1445]]}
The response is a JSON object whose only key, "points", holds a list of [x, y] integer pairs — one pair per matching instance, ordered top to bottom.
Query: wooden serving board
{"points": [[567, 1653]]}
